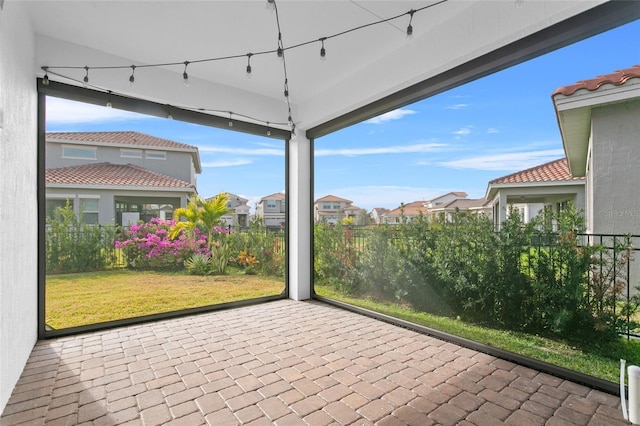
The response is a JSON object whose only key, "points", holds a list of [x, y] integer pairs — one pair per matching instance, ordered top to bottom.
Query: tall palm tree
{"points": [[201, 213]]}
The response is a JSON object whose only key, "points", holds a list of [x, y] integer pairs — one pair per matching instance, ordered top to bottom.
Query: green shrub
{"points": [[72, 246]]}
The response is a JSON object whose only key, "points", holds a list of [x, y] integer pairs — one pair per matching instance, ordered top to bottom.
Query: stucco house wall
{"points": [[177, 164], [615, 168], [18, 196]]}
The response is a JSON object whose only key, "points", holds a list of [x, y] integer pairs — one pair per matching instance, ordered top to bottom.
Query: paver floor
{"points": [[287, 363]]}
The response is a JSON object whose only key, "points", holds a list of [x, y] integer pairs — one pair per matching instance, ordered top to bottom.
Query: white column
{"points": [[300, 232]]}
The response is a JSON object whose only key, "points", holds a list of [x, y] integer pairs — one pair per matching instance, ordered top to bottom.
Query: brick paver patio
{"points": [[287, 363]]}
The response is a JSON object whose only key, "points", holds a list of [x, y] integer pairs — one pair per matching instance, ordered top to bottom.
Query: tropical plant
{"points": [[201, 214], [220, 257], [198, 264]]}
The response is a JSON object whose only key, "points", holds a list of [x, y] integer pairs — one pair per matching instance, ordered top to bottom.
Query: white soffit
{"points": [[361, 67]]}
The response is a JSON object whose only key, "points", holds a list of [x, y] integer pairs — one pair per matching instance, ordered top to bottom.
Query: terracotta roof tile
{"points": [[616, 78], [119, 138], [557, 170], [113, 175], [276, 196], [332, 198], [462, 204], [410, 209]]}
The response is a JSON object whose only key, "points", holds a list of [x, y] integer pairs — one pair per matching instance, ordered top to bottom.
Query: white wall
{"points": [[18, 196]]}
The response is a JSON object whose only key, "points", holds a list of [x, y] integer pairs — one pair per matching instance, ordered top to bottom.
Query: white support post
{"points": [[300, 232]]}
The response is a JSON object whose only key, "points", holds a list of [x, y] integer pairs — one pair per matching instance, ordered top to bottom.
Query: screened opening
{"points": [[409, 221], [127, 237]]}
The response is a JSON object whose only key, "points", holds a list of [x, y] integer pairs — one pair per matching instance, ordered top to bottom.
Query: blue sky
{"points": [[456, 141]]}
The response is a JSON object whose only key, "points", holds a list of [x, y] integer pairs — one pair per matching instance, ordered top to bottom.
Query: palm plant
{"points": [[201, 214]]}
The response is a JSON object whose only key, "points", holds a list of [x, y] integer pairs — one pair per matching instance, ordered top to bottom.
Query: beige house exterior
{"points": [[530, 191], [271, 209], [332, 209]]}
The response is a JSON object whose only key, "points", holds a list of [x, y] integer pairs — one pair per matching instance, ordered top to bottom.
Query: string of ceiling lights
{"points": [[280, 51]]}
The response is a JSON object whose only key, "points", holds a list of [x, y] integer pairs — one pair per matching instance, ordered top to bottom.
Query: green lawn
{"points": [[89, 298], [595, 359]]}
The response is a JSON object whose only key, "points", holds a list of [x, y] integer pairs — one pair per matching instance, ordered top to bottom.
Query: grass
{"points": [[89, 298], [598, 359]]}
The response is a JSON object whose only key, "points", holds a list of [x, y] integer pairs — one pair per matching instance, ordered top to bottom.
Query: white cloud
{"points": [[457, 106], [62, 111], [396, 114], [491, 130], [463, 132], [399, 149], [241, 151], [506, 162], [222, 163]]}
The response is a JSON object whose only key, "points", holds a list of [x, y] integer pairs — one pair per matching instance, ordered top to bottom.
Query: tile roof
{"points": [[616, 78], [118, 138], [553, 171], [116, 175], [455, 193], [276, 196], [332, 198], [463, 204], [410, 209]]}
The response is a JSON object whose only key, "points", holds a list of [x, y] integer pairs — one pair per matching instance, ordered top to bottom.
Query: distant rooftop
{"points": [[332, 198]]}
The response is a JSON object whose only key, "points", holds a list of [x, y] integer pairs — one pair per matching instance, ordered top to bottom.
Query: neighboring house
{"points": [[599, 121], [118, 177], [529, 191], [446, 198], [474, 207], [271, 209], [331, 209], [416, 209], [406, 213], [238, 214], [377, 214], [358, 215]]}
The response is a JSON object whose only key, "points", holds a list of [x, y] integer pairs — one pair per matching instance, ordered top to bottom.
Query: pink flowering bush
{"points": [[148, 245]]}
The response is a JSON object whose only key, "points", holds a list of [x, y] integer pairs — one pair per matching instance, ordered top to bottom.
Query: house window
{"points": [[79, 152], [131, 153], [156, 155], [56, 203], [271, 204], [282, 205], [326, 206], [336, 206], [89, 211]]}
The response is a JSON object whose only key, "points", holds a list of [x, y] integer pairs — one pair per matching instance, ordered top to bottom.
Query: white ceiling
{"points": [[361, 67]]}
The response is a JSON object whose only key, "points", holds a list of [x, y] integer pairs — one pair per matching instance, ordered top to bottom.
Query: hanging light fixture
{"points": [[410, 27], [323, 52], [249, 55], [86, 76], [185, 76], [132, 78], [45, 79], [109, 104], [230, 121], [268, 129]]}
